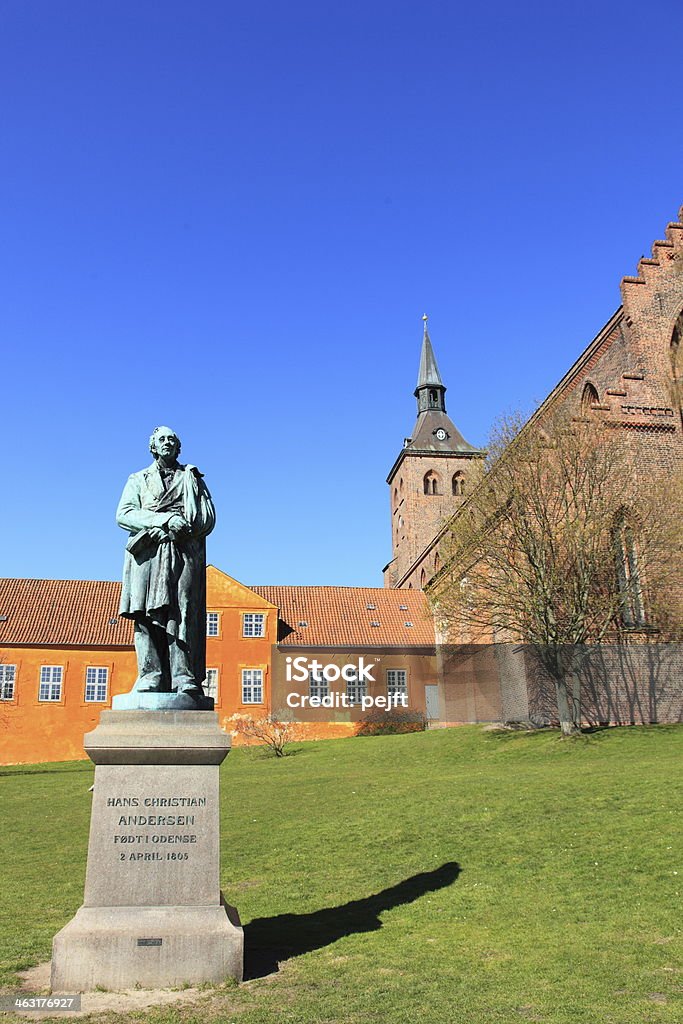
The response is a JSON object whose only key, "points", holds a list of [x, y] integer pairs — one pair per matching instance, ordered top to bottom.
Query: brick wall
{"points": [[415, 516], [625, 684]]}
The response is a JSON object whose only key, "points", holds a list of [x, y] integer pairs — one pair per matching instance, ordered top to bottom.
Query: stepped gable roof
{"points": [[70, 613], [340, 616]]}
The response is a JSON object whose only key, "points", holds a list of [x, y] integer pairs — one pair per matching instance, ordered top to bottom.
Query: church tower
{"points": [[433, 473]]}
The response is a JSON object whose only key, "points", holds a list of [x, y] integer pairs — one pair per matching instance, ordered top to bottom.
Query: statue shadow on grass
{"points": [[270, 940]]}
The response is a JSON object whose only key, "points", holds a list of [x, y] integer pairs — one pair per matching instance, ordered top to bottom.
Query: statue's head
{"points": [[164, 441]]}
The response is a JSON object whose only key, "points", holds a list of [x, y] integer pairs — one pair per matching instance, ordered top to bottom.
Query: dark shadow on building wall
{"points": [[619, 684], [632, 685], [270, 940]]}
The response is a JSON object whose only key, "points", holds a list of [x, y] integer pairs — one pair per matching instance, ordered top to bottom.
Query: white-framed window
{"points": [[212, 623], [253, 624], [8, 677], [96, 681], [50, 682], [397, 682], [211, 683], [317, 684], [252, 686], [355, 688]]}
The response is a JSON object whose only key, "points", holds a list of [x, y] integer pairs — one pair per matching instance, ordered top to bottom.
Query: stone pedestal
{"points": [[153, 914]]}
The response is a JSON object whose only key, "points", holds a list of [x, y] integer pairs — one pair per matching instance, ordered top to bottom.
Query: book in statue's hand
{"points": [[140, 543]]}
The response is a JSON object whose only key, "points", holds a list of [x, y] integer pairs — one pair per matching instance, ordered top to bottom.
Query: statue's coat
{"points": [[166, 582]]}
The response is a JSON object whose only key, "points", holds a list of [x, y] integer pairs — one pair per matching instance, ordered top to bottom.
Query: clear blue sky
{"points": [[230, 217]]}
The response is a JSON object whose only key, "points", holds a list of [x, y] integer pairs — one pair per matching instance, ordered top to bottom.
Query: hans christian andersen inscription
{"points": [[149, 844]]}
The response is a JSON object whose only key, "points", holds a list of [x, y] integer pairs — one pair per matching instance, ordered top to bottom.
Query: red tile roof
{"points": [[67, 613], [84, 613], [340, 616]]}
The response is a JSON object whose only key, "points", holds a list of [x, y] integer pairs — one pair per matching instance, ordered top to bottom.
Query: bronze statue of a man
{"points": [[168, 510]]}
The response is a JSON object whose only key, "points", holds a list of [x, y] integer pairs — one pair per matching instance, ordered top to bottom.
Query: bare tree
{"points": [[560, 546], [271, 730]]}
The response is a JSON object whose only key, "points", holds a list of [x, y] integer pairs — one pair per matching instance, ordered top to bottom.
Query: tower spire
{"points": [[428, 374], [430, 391]]}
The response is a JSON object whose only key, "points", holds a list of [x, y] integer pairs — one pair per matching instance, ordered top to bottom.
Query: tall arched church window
{"points": [[677, 347], [676, 356], [589, 398], [431, 483], [458, 483], [437, 562], [628, 575], [423, 578]]}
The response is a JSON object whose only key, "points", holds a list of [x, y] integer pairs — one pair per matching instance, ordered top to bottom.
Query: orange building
{"points": [[64, 652]]}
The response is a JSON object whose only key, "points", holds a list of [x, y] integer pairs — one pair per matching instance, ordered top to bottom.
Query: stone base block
{"points": [[151, 701], [152, 947]]}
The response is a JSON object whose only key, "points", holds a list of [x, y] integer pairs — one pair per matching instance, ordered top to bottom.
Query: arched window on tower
{"points": [[589, 398], [433, 399], [431, 483], [458, 483], [400, 487], [437, 562], [628, 575], [423, 579]]}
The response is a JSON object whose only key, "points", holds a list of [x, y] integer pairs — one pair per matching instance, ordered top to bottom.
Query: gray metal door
{"points": [[432, 699]]}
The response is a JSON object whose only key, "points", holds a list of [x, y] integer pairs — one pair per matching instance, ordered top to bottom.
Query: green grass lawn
{"points": [[452, 876]]}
